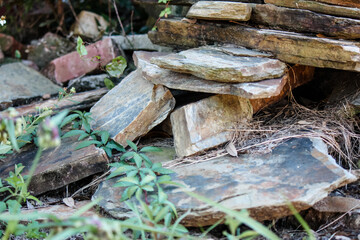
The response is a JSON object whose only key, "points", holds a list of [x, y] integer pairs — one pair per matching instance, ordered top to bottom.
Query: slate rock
{"points": [[191, 2], [347, 3], [317, 6], [216, 10], [89, 25], [136, 42], [286, 46], [49, 47], [71, 65], [217, 65], [174, 80], [21, 82], [87, 83], [132, 108], [208, 123], [58, 166], [298, 171]]}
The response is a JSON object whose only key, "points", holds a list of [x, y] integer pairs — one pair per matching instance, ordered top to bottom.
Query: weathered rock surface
{"points": [[191, 2], [347, 3], [318, 7], [217, 10], [305, 21], [90, 25], [137, 42], [9, 45], [286, 46], [49, 47], [71, 65], [217, 65], [174, 80], [18, 81], [88, 82], [77, 101], [132, 108], [208, 123], [59, 166], [299, 171], [337, 204]]}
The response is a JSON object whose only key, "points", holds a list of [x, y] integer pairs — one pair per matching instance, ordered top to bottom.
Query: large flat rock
{"points": [[348, 3], [320, 7], [217, 10], [299, 20], [136, 42], [286, 46], [217, 65], [21, 82], [261, 89], [132, 108], [208, 123], [58, 166], [299, 171]]}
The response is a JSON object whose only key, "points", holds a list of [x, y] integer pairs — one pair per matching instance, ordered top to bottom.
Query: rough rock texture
{"points": [[191, 2], [348, 3], [318, 7], [216, 10], [305, 21], [90, 25], [136, 42], [286, 46], [49, 47], [215, 64], [71, 65], [18, 81], [181, 81], [88, 82], [77, 101], [132, 108], [208, 123], [59, 166], [299, 171], [337, 204]]}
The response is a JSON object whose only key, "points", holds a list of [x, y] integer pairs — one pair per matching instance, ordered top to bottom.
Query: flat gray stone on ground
{"points": [[137, 42], [217, 65], [174, 80], [18, 81], [86, 83], [132, 108], [58, 166], [298, 171]]}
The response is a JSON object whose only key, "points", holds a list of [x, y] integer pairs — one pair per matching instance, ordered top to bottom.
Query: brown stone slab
{"points": [[191, 2], [348, 3], [318, 7], [216, 10], [299, 20], [89, 24], [286, 46], [215, 64], [77, 101], [132, 108], [208, 123], [59, 166], [298, 171], [337, 204]]}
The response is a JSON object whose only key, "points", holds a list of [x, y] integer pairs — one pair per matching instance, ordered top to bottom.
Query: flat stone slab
{"points": [[191, 2], [348, 3], [317, 6], [216, 10], [300, 20], [89, 24], [137, 42], [286, 46], [217, 65], [18, 81], [261, 89], [132, 108], [208, 123], [58, 166], [299, 171]]}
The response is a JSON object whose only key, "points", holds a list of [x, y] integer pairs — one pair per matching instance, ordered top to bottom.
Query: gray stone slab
{"points": [[223, 66], [21, 82], [87, 83], [132, 108], [298, 171]]}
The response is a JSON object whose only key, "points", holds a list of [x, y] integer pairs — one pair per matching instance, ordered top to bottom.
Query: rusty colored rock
{"points": [[347, 3], [318, 7], [217, 10], [299, 20], [9, 45], [286, 46], [71, 65], [217, 65], [132, 108], [208, 123], [59, 166], [299, 171]]}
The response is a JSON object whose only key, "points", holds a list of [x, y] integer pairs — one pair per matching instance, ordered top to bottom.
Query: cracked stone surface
{"points": [[298, 170]]}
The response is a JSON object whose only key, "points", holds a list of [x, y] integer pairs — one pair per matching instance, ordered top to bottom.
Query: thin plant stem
{"points": [[33, 166]]}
